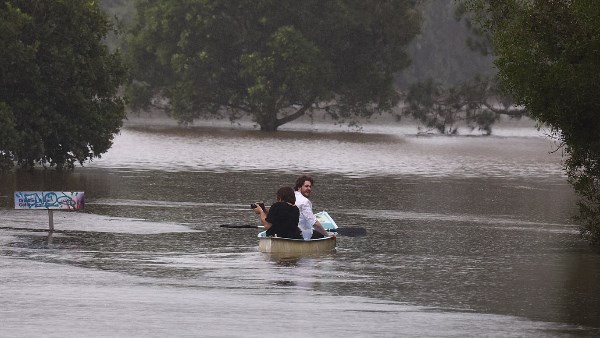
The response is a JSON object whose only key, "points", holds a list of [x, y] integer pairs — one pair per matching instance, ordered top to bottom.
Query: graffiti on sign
{"points": [[49, 200]]}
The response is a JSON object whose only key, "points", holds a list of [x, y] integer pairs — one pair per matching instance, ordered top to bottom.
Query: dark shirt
{"points": [[284, 220]]}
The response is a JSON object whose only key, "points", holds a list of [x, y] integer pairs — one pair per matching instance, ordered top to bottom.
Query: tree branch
{"points": [[509, 112], [297, 114]]}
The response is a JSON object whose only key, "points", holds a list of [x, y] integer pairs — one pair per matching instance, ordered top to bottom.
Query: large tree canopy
{"points": [[274, 60], [549, 60], [58, 83], [477, 103]]}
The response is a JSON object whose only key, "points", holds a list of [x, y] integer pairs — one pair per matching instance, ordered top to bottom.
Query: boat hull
{"points": [[295, 246], [300, 247]]}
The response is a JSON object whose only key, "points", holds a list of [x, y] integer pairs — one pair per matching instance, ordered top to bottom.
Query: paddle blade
{"points": [[239, 226]]}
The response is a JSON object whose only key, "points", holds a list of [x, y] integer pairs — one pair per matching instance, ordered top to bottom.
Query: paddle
{"points": [[240, 226], [345, 231], [350, 231]]}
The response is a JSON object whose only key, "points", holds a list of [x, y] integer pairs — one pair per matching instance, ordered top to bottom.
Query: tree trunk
{"points": [[270, 122], [268, 126]]}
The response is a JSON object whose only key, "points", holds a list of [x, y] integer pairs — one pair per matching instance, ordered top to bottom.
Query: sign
{"points": [[49, 200]]}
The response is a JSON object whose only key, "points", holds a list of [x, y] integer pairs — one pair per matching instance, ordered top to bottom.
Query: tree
{"points": [[458, 55], [274, 60], [549, 61], [58, 83], [477, 104]]}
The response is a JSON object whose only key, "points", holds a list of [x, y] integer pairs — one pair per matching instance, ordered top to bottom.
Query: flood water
{"points": [[466, 236]]}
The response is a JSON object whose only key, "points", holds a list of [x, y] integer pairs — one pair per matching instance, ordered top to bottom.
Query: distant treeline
{"points": [[440, 52]]}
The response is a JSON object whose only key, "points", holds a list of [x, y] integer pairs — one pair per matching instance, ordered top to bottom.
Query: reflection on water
{"points": [[352, 154], [466, 237]]}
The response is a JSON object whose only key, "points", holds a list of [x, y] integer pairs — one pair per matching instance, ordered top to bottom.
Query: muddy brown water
{"points": [[466, 236]]}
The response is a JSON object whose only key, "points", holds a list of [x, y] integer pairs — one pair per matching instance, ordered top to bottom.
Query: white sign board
{"points": [[49, 200]]}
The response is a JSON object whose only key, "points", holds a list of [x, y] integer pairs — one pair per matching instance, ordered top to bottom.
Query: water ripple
{"points": [[349, 153]]}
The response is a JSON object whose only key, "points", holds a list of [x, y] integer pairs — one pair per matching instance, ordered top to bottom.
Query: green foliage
{"points": [[120, 13], [478, 39], [458, 55], [272, 60], [548, 60], [58, 83], [477, 104], [8, 135]]}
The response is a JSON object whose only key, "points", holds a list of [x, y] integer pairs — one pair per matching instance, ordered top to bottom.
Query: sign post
{"points": [[49, 200], [50, 220]]}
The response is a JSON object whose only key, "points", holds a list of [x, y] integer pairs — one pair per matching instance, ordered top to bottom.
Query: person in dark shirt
{"points": [[281, 220]]}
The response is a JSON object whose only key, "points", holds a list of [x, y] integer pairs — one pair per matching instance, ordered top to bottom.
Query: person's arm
{"points": [[308, 213], [263, 217], [322, 230]]}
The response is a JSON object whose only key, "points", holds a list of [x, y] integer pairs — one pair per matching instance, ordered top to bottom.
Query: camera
{"points": [[260, 204]]}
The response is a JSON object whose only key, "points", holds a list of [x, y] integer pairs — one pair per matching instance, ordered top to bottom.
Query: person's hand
{"points": [[258, 210], [331, 234]]}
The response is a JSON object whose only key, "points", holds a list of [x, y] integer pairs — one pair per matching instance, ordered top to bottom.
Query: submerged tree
{"points": [[273, 60], [549, 61], [58, 83], [466, 92], [477, 104]]}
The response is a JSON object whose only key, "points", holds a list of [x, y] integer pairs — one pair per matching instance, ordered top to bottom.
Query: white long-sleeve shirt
{"points": [[307, 217]]}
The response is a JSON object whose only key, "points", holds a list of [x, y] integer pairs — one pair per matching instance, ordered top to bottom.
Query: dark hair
{"points": [[300, 181], [286, 194]]}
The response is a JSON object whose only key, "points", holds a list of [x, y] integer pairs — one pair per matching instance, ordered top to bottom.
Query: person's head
{"points": [[304, 185], [286, 194]]}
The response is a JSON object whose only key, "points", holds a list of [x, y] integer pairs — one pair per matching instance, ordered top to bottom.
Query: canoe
{"points": [[300, 246]]}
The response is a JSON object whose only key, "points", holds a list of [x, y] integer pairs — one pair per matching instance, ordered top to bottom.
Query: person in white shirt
{"points": [[308, 223]]}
